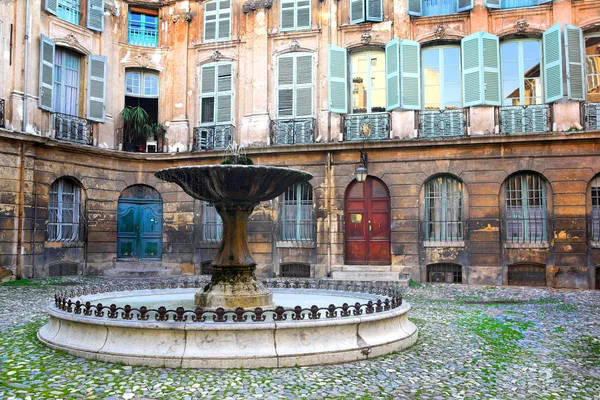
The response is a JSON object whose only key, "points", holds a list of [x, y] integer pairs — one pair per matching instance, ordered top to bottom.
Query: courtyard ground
{"points": [[474, 343]]}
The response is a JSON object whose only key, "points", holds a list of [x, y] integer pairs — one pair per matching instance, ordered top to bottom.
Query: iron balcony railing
{"points": [[146, 36], [2, 113], [591, 116], [525, 119], [442, 123], [366, 126], [72, 129], [293, 131], [216, 137], [156, 144], [594, 226], [533, 229], [295, 231], [443, 231]]}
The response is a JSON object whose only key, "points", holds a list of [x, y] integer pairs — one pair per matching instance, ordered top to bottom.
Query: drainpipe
{"points": [[25, 66], [19, 271]]}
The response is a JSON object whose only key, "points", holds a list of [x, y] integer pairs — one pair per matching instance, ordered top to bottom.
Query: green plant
{"points": [[135, 123], [153, 130], [237, 160], [414, 284]]}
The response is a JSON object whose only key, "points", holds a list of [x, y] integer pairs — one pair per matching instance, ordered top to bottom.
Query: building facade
{"points": [[472, 124]]}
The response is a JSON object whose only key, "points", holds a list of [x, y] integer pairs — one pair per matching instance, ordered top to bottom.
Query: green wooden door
{"points": [[139, 229]]}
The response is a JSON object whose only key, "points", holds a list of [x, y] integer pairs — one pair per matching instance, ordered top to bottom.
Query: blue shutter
{"points": [[544, 1], [492, 3], [464, 5], [51, 6], [415, 7], [375, 10], [357, 11], [286, 14], [303, 14], [95, 16], [224, 16], [210, 20], [575, 62], [553, 64], [392, 69], [491, 69], [410, 70], [472, 79], [338, 80], [46, 88], [96, 88], [224, 93]]}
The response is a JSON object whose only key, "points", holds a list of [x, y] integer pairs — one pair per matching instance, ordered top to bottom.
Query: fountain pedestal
{"points": [[233, 282]]}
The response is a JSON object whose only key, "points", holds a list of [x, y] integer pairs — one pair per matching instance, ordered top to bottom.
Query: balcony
{"points": [[146, 35], [2, 105], [591, 116], [525, 119], [442, 123], [366, 126], [72, 129], [293, 131], [217, 137], [136, 144], [526, 230]]}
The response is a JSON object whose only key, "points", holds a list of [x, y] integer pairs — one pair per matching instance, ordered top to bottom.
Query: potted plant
{"points": [[135, 123]]}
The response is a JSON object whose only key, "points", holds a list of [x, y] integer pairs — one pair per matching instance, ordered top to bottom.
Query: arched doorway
{"points": [[367, 217], [139, 224]]}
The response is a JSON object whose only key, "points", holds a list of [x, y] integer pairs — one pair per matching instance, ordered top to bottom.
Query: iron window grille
{"points": [[142, 29], [2, 113], [591, 116], [525, 119], [442, 123], [366, 126], [72, 129], [293, 131], [217, 137], [443, 210], [595, 215], [525, 219], [296, 221], [66, 222], [212, 224], [294, 270], [444, 273], [527, 275]]}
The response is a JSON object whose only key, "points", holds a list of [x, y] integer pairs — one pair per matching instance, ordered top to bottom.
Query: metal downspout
{"points": [[25, 66]]}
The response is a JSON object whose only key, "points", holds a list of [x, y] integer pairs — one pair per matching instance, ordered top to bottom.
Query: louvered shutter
{"points": [[544, 1], [492, 3], [464, 5], [51, 6], [415, 7], [375, 10], [357, 11], [303, 12], [224, 13], [287, 14], [95, 16], [210, 20], [575, 62], [553, 64], [392, 69], [491, 69], [46, 73], [410, 78], [338, 80], [472, 82], [304, 85], [285, 87], [207, 91], [224, 93], [96, 110]]}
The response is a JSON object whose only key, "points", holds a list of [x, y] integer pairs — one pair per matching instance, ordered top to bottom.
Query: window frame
{"points": [[296, 8], [73, 9], [217, 14], [143, 29], [521, 62], [442, 76], [369, 80], [585, 81], [62, 86], [295, 86], [142, 88], [215, 95], [444, 198], [300, 204], [595, 209], [211, 218], [522, 220], [57, 235]]}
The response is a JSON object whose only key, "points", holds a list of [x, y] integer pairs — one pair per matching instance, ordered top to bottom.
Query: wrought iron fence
{"points": [[2, 105], [591, 116], [525, 119], [442, 123], [366, 126], [72, 128], [293, 131], [216, 137], [594, 226], [533, 229], [295, 231], [443, 231]]}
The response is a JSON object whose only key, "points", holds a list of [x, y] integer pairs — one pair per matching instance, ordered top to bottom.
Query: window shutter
{"points": [[544, 1], [492, 3], [464, 5], [51, 6], [415, 7], [375, 10], [303, 11], [357, 11], [224, 14], [287, 14], [95, 16], [210, 20], [392, 63], [553, 64], [575, 64], [410, 67], [491, 69], [46, 73], [207, 79], [338, 79], [472, 82], [304, 85], [285, 87], [224, 93], [96, 110]]}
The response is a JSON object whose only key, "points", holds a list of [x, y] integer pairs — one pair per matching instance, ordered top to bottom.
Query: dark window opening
{"points": [[206, 268], [295, 270], [444, 273], [527, 275]]}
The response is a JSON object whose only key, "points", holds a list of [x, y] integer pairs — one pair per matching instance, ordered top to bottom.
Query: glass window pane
{"points": [[592, 64], [150, 84], [207, 110]]}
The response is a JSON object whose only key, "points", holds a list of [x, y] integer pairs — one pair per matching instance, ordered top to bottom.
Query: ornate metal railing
{"points": [[2, 105], [591, 116], [525, 119], [442, 123], [366, 126], [72, 128], [293, 131], [216, 137], [533, 229], [295, 231], [443, 231], [392, 298]]}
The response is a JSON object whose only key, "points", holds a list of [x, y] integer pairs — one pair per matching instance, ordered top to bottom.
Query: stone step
{"points": [[139, 265], [370, 268], [138, 272], [366, 276]]}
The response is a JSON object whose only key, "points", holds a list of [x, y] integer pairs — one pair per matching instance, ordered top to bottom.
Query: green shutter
{"points": [[492, 3], [464, 5], [51, 6], [415, 7], [375, 10], [303, 11], [357, 11], [286, 14], [224, 15], [95, 16], [210, 20], [575, 62], [553, 64], [392, 69], [491, 69], [46, 73], [410, 75], [338, 80], [472, 80], [304, 85], [285, 86], [224, 105], [96, 110]]}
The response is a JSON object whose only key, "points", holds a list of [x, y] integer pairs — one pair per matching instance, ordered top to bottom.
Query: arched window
{"points": [[525, 208], [443, 209], [64, 211], [297, 213], [595, 217], [212, 224]]}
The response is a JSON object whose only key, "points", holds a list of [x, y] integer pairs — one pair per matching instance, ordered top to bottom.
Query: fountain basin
{"points": [[277, 341]]}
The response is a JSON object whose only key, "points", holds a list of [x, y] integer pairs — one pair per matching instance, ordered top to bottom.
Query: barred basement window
{"points": [[443, 209], [525, 209], [64, 210], [297, 213], [595, 217], [212, 224], [206, 268], [295, 270], [444, 273], [523, 274]]}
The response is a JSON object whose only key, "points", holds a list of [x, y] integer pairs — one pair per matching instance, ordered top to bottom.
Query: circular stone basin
{"points": [[160, 327]]}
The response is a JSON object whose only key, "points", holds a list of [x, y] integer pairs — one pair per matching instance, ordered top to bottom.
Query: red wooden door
{"points": [[367, 214]]}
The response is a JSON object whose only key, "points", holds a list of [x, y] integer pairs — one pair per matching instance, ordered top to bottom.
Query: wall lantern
{"points": [[361, 167]]}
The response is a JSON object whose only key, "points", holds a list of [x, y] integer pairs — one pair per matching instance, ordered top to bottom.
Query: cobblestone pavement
{"points": [[475, 343]]}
